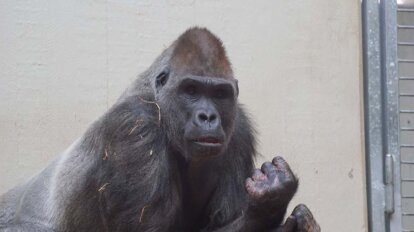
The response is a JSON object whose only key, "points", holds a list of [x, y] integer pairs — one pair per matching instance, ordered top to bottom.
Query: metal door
{"points": [[388, 29], [381, 102]]}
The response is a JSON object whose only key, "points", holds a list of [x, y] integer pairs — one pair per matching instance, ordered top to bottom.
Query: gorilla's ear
{"points": [[161, 80], [237, 87]]}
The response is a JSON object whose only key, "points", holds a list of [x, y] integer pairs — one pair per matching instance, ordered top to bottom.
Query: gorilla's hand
{"points": [[274, 184], [270, 190], [301, 220]]}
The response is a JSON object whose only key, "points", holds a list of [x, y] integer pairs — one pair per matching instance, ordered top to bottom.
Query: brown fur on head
{"points": [[199, 52]]}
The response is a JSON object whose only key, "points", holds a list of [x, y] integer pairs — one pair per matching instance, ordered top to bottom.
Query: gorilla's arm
{"points": [[269, 191]]}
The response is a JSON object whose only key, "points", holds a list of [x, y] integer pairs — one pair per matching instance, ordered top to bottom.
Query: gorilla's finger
{"points": [[280, 163], [283, 168], [268, 169], [258, 175], [305, 220], [290, 224]]}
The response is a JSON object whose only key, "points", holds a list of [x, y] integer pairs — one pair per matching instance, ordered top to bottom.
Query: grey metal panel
{"points": [[406, 4], [405, 17], [405, 35], [406, 52], [405, 69], [407, 86], [407, 101], [407, 137], [407, 155], [407, 172], [407, 189], [408, 205], [408, 222]]}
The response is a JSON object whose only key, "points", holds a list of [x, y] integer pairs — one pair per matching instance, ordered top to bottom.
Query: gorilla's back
{"points": [[27, 203], [36, 203]]}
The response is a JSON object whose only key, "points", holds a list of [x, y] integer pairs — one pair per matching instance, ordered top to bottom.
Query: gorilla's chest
{"points": [[197, 190]]}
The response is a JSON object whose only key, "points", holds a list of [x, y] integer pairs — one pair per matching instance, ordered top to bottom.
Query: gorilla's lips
{"points": [[209, 141]]}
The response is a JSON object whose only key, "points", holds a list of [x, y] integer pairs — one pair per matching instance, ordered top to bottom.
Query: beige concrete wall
{"points": [[62, 63]]}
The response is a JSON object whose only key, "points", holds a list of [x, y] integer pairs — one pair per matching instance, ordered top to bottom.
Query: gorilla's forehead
{"points": [[201, 53], [196, 68]]}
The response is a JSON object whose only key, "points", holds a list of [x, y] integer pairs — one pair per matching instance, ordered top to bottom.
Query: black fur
{"points": [[142, 173]]}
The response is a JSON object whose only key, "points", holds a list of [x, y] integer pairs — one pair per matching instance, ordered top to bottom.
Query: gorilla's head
{"points": [[197, 89]]}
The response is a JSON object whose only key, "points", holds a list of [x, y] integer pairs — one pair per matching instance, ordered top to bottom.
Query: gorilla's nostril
{"points": [[203, 117], [212, 117]]}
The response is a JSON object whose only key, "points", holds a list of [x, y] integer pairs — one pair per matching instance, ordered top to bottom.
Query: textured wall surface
{"points": [[63, 63]]}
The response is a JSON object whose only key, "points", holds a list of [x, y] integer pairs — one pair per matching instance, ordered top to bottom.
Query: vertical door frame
{"points": [[381, 106]]}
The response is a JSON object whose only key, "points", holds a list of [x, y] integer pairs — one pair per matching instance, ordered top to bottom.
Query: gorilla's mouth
{"points": [[208, 141]]}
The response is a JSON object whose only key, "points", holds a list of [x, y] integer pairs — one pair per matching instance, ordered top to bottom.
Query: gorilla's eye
{"points": [[161, 79], [191, 90], [223, 92], [220, 93]]}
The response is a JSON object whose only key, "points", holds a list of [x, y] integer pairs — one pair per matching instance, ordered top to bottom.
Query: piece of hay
{"points": [[153, 102], [136, 125], [106, 155], [103, 187], [141, 216]]}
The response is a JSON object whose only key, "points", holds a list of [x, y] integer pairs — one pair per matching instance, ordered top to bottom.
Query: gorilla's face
{"points": [[204, 112]]}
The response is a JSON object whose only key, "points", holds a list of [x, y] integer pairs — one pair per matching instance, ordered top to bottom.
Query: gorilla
{"points": [[175, 153]]}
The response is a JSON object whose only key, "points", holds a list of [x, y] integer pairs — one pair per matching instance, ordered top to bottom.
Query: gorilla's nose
{"points": [[207, 119]]}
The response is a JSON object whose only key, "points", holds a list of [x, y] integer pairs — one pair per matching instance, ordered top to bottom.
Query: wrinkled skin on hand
{"points": [[273, 184], [270, 189]]}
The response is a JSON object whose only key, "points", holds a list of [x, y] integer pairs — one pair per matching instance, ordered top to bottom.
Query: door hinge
{"points": [[389, 184]]}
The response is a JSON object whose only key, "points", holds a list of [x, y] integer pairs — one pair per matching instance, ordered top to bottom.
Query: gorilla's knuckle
{"points": [[278, 159], [266, 166], [257, 171], [301, 207], [303, 211]]}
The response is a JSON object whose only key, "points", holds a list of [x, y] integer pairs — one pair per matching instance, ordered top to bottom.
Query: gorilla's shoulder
{"points": [[137, 106], [136, 114]]}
